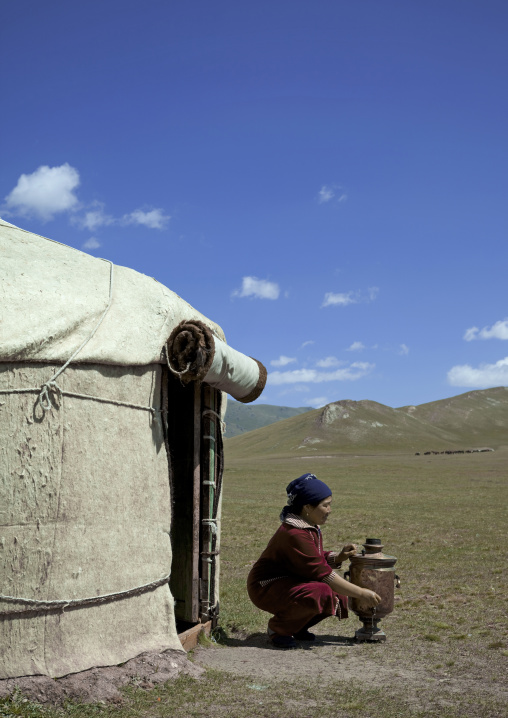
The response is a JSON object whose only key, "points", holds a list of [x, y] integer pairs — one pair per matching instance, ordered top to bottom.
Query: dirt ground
{"points": [[331, 658], [337, 658], [101, 684]]}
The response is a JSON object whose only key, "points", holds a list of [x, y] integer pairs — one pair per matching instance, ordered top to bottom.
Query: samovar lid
{"points": [[372, 543], [372, 554]]}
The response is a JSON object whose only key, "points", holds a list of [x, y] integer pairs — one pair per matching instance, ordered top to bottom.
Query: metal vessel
{"points": [[374, 570]]}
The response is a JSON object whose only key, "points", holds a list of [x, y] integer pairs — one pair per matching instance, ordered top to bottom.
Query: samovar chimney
{"points": [[374, 570]]}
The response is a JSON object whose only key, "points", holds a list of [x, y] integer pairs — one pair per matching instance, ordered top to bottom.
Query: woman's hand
{"points": [[346, 552], [370, 598]]}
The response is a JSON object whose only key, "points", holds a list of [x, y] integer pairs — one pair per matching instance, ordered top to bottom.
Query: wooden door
{"points": [[194, 444], [184, 445]]}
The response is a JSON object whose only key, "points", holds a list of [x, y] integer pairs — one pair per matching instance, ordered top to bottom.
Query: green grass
{"points": [[440, 518], [444, 518], [219, 694]]}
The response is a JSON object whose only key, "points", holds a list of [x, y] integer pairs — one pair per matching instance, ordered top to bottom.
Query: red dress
{"points": [[290, 579]]}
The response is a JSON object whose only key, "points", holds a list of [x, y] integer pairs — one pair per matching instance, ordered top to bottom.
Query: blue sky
{"points": [[325, 180]]}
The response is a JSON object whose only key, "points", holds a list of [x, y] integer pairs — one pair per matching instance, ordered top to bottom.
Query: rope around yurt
{"points": [[50, 388], [44, 396], [156, 413], [34, 606]]}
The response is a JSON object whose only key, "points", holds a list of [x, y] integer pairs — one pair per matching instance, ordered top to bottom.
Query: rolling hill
{"points": [[247, 417], [477, 417], [472, 420]]}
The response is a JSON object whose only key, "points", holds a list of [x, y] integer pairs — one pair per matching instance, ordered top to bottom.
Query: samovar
{"points": [[374, 570]]}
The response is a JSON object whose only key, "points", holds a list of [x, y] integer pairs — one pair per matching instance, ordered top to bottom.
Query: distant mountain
{"points": [[247, 417], [476, 417], [471, 420]]}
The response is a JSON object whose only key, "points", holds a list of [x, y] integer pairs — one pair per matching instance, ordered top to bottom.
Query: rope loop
{"points": [[175, 371], [47, 389], [214, 413], [158, 415], [218, 416], [211, 523]]}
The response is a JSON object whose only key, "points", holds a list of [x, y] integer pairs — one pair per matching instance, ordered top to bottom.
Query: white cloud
{"points": [[51, 190], [45, 192], [329, 192], [326, 194], [94, 218], [153, 218], [91, 243], [257, 288], [342, 300], [499, 330], [471, 334], [307, 343], [356, 347], [403, 349], [282, 361], [328, 362], [355, 371], [486, 375], [299, 388], [318, 402]]}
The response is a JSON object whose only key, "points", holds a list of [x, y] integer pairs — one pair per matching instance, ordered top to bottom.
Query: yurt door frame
{"points": [[194, 449]]}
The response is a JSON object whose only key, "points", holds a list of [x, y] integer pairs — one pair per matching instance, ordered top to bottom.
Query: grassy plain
{"points": [[443, 516]]}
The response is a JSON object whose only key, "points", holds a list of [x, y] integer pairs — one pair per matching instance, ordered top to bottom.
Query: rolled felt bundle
{"points": [[190, 350], [195, 354]]}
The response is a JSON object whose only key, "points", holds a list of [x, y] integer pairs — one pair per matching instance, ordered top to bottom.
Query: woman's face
{"points": [[317, 514]]}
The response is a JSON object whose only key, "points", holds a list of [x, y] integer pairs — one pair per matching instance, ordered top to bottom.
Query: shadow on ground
{"points": [[260, 640]]}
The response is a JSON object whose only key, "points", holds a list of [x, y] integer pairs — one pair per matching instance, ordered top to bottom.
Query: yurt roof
{"points": [[53, 297]]}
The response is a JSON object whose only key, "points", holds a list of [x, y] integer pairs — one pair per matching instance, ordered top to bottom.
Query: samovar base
{"points": [[370, 632]]}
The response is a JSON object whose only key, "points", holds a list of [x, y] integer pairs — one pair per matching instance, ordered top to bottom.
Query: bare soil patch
{"points": [[335, 659], [102, 684]]}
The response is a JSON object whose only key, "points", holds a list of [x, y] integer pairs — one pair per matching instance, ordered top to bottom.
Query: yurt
{"points": [[112, 399]]}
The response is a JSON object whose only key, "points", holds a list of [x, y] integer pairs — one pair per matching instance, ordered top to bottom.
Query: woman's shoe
{"points": [[305, 635], [284, 642]]}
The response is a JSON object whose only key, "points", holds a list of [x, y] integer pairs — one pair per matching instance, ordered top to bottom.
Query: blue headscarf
{"points": [[306, 489]]}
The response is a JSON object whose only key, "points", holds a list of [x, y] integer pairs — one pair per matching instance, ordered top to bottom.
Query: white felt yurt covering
{"points": [[85, 515]]}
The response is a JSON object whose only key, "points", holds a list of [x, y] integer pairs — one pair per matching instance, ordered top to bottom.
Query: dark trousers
{"points": [[297, 605]]}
